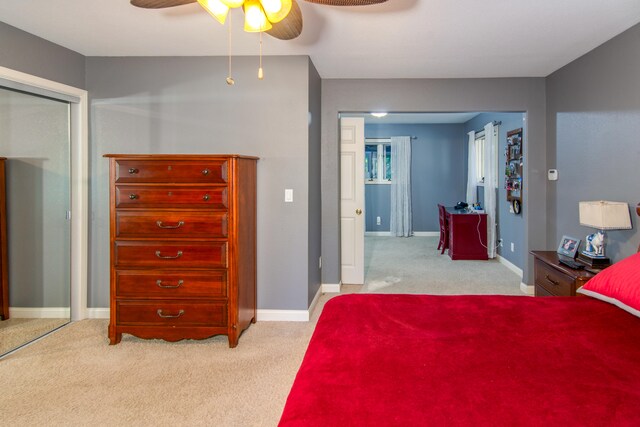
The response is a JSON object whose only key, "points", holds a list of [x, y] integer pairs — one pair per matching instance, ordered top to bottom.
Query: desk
{"points": [[467, 234]]}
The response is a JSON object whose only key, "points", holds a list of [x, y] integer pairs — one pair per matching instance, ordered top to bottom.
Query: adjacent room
{"points": [[438, 172], [319, 212]]}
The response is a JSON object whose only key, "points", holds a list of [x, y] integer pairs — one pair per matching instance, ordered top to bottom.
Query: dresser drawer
{"points": [[170, 171], [150, 196], [171, 224], [171, 254], [552, 280], [171, 284], [542, 292], [171, 313]]}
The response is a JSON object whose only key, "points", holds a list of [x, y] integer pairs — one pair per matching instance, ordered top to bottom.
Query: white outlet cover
{"points": [[552, 174]]}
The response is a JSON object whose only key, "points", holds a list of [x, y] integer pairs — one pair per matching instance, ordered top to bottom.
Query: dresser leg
{"points": [[234, 335], [114, 338]]}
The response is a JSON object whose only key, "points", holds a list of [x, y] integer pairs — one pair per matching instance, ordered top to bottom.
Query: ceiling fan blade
{"points": [[347, 2], [159, 4], [290, 27]]}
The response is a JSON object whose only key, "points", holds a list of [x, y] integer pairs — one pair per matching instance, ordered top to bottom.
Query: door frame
{"points": [[79, 146]]}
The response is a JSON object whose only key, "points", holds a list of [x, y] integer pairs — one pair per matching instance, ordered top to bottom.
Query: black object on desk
{"points": [[570, 263]]}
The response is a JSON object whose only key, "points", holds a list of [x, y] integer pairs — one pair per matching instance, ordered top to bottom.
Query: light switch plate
{"points": [[552, 174], [288, 195]]}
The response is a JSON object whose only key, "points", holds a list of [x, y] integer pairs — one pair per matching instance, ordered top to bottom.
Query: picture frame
{"points": [[569, 246]]}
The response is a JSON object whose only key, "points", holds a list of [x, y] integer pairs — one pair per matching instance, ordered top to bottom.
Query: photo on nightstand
{"points": [[568, 246]]}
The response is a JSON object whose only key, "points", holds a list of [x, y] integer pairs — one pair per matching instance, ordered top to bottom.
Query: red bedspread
{"points": [[408, 360]]}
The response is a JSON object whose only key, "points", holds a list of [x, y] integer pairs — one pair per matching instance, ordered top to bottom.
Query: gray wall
{"points": [[33, 55], [433, 95], [183, 105], [593, 116], [438, 161], [315, 190], [377, 203], [511, 227]]}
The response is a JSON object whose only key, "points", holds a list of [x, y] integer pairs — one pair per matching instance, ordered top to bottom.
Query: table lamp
{"points": [[603, 216]]}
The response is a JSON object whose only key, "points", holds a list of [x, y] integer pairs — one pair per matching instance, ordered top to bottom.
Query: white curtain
{"points": [[472, 180], [490, 186], [400, 218]]}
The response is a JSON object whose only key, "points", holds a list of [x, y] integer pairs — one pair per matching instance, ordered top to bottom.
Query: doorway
{"points": [[439, 175]]}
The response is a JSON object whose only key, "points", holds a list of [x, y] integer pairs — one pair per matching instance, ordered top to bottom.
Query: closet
{"points": [[35, 136]]}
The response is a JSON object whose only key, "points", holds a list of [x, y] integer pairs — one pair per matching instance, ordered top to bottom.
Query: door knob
{"points": [[358, 211]]}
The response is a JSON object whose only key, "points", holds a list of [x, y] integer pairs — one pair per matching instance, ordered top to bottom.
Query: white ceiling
{"points": [[397, 39]]}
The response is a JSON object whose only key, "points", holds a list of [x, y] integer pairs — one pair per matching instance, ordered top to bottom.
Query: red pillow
{"points": [[618, 285]]}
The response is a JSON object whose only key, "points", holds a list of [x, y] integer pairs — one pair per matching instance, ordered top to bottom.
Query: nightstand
{"points": [[555, 279]]}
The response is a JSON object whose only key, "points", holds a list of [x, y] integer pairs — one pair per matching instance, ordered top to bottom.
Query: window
{"points": [[479, 146], [377, 163]]}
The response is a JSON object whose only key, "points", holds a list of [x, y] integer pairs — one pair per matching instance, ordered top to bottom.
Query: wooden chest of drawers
{"points": [[183, 246], [554, 279]]}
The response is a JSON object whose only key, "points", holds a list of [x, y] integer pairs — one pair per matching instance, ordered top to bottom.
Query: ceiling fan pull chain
{"points": [[260, 72], [230, 80]]}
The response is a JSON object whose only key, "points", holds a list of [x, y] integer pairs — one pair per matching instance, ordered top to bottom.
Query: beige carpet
{"points": [[414, 266], [15, 332], [74, 378]]}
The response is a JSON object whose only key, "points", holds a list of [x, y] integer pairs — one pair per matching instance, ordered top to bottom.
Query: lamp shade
{"points": [[216, 8], [276, 10], [254, 18], [605, 215]]}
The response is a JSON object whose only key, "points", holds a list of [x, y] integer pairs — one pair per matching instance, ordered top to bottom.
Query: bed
{"points": [[408, 360]]}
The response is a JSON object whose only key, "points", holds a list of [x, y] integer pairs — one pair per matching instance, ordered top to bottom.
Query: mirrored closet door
{"points": [[35, 140]]}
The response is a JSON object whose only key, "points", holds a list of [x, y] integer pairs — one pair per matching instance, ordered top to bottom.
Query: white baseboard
{"points": [[378, 233], [415, 233], [426, 233], [510, 265], [331, 288], [527, 289], [314, 302], [40, 312], [98, 313], [264, 315]]}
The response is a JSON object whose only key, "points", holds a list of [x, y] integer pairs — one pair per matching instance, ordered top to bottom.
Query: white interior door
{"points": [[352, 199]]}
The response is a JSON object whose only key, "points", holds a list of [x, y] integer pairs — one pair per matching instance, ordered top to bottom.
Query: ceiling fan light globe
{"points": [[232, 4], [216, 8], [276, 10], [255, 20]]}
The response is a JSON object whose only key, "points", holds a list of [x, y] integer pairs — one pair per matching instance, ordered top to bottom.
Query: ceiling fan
{"points": [[281, 19]]}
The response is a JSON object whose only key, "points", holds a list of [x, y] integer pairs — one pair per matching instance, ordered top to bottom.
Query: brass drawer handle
{"points": [[133, 171], [205, 172], [133, 196], [205, 197], [178, 225], [159, 255], [553, 282], [160, 285], [169, 316]]}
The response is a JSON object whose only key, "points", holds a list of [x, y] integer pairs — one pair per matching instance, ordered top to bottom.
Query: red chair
{"points": [[444, 229]]}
